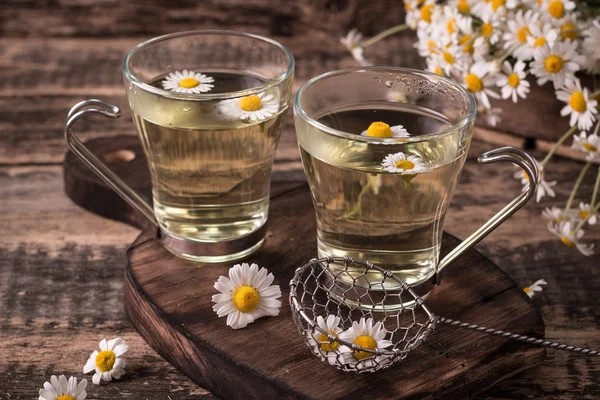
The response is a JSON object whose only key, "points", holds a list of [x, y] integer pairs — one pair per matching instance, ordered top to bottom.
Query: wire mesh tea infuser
{"points": [[341, 308]]}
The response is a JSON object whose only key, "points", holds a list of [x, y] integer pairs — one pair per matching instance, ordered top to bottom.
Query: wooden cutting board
{"points": [[168, 301]]}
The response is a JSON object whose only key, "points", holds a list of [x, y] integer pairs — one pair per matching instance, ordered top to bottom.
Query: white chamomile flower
{"points": [[495, 8], [557, 8], [413, 13], [426, 13], [490, 28], [518, 31], [541, 34], [352, 42], [591, 42], [451, 59], [557, 63], [433, 65], [478, 81], [188, 82], [513, 82], [579, 104], [249, 108], [492, 115], [382, 130], [588, 144], [400, 163], [544, 188], [587, 212], [555, 214], [564, 231], [534, 287], [246, 295], [368, 335], [321, 342], [108, 362], [62, 389]]}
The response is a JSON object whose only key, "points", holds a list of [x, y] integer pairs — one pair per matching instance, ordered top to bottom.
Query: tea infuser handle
{"points": [[80, 110], [529, 165]]}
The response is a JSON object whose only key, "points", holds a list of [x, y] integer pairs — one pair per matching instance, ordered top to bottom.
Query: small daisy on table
{"points": [[557, 9], [518, 32], [540, 35], [352, 42], [557, 63], [478, 81], [512, 81], [188, 82], [579, 105], [250, 108], [492, 115], [382, 130], [587, 144], [403, 164], [544, 187], [586, 212], [555, 214], [564, 231], [534, 287], [246, 295], [368, 335], [321, 342], [108, 362], [62, 389]]}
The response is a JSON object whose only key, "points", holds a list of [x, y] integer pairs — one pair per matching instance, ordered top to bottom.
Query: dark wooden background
{"points": [[61, 268]]}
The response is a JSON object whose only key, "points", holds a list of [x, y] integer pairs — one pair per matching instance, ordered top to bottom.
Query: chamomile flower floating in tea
{"points": [[512, 81], [188, 82], [579, 105], [250, 108], [382, 130], [401, 163], [587, 213], [570, 238], [535, 287], [246, 295], [367, 335], [321, 342], [108, 362], [62, 389]]}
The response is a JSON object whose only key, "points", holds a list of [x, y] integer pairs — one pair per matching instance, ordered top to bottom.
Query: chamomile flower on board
{"points": [[557, 9], [426, 13], [490, 28], [540, 34], [515, 38], [352, 42], [591, 42], [426, 45], [451, 59], [557, 63], [434, 66], [512, 81], [188, 82], [479, 82], [579, 104], [249, 108], [492, 115], [382, 130], [588, 144], [403, 164], [544, 187], [587, 212], [555, 214], [564, 231], [534, 287], [246, 295], [368, 335], [321, 342], [108, 362], [59, 388]]}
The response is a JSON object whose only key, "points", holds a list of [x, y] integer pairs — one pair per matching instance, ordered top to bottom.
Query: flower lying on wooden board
{"points": [[535, 287], [246, 295], [108, 362], [62, 389]]}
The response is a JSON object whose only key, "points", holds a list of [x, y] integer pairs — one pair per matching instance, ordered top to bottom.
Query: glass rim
{"points": [[207, 96], [466, 120]]}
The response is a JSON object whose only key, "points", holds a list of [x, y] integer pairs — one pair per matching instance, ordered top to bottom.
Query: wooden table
{"points": [[61, 268]]}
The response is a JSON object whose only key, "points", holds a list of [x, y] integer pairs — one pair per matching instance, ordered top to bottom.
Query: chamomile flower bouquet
{"points": [[492, 47]]}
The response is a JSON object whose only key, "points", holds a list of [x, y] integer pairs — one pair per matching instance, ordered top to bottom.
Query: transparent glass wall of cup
{"points": [[209, 107], [379, 194]]}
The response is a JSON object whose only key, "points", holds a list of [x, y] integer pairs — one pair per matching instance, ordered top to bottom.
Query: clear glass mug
{"points": [[208, 107], [383, 149]]}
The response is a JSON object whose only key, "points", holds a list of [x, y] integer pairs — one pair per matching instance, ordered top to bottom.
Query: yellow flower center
{"points": [[496, 4], [408, 6], [463, 7], [556, 8], [426, 12], [451, 25], [487, 29], [568, 31], [522, 34], [540, 41], [467, 43], [432, 47], [449, 58], [553, 64], [438, 71], [514, 80], [189, 83], [474, 83], [577, 102], [250, 103], [379, 130], [589, 147], [405, 165], [526, 175], [583, 214], [567, 241], [527, 289], [245, 298], [366, 342], [328, 346], [105, 360], [65, 397]]}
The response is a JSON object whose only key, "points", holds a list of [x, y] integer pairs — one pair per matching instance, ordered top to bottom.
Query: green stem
{"points": [[383, 35], [597, 128], [557, 145], [576, 187], [596, 189], [357, 208], [583, 221]]}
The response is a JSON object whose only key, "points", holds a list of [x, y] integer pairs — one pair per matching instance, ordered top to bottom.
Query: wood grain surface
{"points": [[61, 268]]}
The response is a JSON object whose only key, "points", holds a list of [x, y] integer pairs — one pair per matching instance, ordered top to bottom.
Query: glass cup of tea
{"points": [[208, 107], [383, 149]]}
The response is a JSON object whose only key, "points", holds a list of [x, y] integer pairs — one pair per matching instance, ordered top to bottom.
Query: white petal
{"points": [[103, 345], [120, 363], [90, 365], [106, 376], [96, 378], [80, 388], [46, 394]]}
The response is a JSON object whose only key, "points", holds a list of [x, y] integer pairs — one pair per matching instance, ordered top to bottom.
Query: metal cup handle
{"points": [[85, 108], [529, 165]]}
